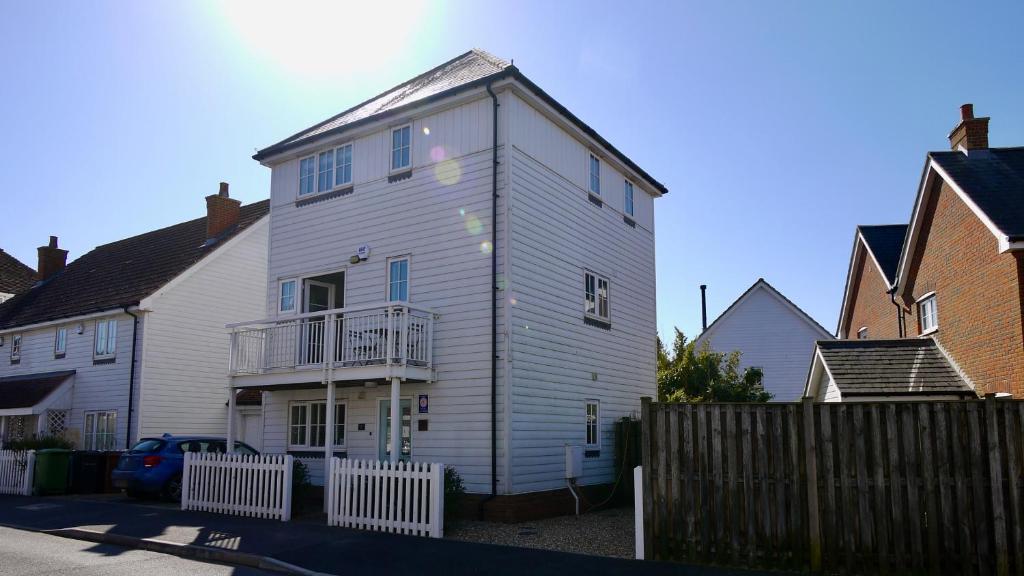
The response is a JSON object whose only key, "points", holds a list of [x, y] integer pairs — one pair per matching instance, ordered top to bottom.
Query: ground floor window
{"points": [[56, 422], [307, 424], [593, 424], [100, 430]]}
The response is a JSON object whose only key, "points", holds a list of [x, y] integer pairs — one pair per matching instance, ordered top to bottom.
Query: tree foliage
{"points": [[692, 374]]}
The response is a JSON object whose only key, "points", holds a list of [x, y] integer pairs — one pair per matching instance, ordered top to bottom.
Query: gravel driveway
{"points": [[604, 533]]}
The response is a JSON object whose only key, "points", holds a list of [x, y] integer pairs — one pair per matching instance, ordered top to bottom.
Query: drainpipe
{"points": [[494, 304], [900, 321], [131, 379]]}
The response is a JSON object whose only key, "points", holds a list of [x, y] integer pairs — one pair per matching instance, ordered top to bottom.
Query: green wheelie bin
{"points": [[51, 474]]}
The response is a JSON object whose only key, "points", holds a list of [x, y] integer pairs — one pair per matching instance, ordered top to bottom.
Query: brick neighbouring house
{"points": [[960, 276], [868, 310]]}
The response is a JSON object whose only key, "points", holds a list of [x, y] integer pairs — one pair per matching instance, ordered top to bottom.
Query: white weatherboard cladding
{"points": [[440, 217], [557, 233], [771, 334], [102, 386], [184, 386]]}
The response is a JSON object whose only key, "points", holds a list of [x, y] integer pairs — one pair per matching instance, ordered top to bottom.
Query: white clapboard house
{"points": [[463, 255], [128, 340]]}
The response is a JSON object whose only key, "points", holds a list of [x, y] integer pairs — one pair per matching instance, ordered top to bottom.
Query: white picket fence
{"points": [[16, 469], [257, 486], [402, 498]]}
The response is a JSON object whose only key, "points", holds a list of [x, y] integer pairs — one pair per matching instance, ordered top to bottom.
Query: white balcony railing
{"points": [[389, 334]]}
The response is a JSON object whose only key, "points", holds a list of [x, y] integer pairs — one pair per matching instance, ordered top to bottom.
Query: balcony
{"points": [[357, 343]]}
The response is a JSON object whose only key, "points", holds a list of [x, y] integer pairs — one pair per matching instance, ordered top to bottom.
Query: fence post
{"points": [[810, 460], [645, 463], [30, 470], [185, 481], [286, 497], [437, 500], [638, 511], [1002, 563]]}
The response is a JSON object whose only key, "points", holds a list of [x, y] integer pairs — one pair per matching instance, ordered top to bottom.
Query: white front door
{"points": [[317, 297], [252, 429], [384, 429]]}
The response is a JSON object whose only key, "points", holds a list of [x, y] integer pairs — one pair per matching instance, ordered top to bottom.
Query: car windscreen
{"points": [[148, 445]]}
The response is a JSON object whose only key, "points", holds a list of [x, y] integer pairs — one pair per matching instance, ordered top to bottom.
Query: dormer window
{"points": [[401, 148], [326, 170], [307, 173], [595, 175], [628, 198]]}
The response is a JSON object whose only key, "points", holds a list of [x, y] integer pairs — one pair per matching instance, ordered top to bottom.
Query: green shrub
{"points": [[38, 443], [454, 491]]}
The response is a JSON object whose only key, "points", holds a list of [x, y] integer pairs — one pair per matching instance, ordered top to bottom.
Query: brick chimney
{"points": [[971, 133], [222, 212], [51, 260]]}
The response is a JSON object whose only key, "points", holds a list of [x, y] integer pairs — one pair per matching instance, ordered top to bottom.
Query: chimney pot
{"points": [[971, 133], [222, 212], [51, 259]]}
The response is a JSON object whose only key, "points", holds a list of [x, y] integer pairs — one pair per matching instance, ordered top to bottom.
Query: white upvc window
{"points": [[401, 147], [343, 165], [325, 171], [307, 175], [595, 175], [628, 197], [398, 279], [286, 295], [596, 296], [928, 313], [862, 334], [106, 338], [60, 341], [15, 347], [307, 424], [593, 424], [100, 430]]}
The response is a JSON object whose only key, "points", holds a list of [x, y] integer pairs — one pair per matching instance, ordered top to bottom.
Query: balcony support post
{"points": [[231, 419], [396, 420]]}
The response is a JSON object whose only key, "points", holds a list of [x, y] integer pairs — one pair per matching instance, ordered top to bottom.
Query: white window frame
{"points": [[391, 148], [351, 165], [320, 171], [312, 176], [592, 177], [628, 191], [408, 278], [280, 295], [923, 301], [596, 314], [862, 333], [60, 341], [110, 341], [16, 347], [308, 405], [592, 422], [91, 437]]}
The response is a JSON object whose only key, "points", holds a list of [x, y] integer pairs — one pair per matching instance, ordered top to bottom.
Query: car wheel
{"points": [[172, 489], [132, 493]]}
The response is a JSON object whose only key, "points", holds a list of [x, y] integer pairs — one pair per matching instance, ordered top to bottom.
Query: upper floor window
{"points": [[401, 148], [343, 165], [325, 171], [307, 174], [595, 175], [628, 201], [398, 280], [287, 296], [595, 301], [928, 313], [862, 334], [106, 338], [60, 342], [16, 348], [593, 424]]}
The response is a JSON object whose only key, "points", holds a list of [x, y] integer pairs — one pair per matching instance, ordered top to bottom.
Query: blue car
{"points": [[154, 465]]}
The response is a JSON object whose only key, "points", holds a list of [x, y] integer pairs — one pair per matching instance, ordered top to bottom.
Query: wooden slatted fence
{"points": [[16, 471], [258, 486], [866, 488], [402, 498]]}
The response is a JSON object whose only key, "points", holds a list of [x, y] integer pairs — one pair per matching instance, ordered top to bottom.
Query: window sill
{"points": [[399, 175], [322, 196], [595, 199], [629, 221], [597, 322], [929, 331], [58, 356], [110, 360], [15, 361], [300, 452], [591, 452]]}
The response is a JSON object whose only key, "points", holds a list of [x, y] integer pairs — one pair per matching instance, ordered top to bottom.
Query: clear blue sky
{"points": [[777, 126]]}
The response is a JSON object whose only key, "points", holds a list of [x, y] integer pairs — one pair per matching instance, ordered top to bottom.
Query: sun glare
{"points": [[318, 38]]}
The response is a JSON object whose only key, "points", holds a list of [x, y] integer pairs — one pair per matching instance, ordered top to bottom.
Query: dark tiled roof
{"points": [[466, 71], [994, 180], [886, 243], [121, 273], [15, 277], [891, 367], [28, 390]]}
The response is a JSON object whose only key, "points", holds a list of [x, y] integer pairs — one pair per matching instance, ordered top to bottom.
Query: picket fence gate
{"points": [[16, 469], [259, 486], [401, 498]]}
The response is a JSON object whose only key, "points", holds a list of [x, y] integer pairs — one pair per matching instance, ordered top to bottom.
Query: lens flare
{"points": [[426, 131], [437, 153], [448, 172], [462, 211], [473, 225], [486, 247], [513, 301]]}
